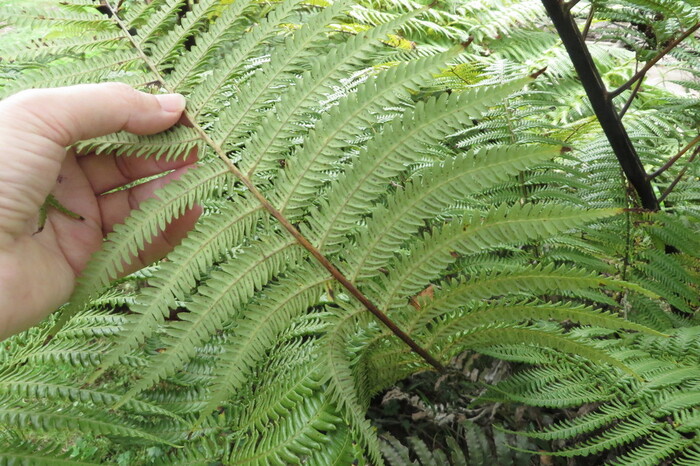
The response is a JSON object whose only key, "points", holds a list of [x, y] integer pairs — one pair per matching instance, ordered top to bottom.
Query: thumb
{"points": [[66, 115], [37, 125]]}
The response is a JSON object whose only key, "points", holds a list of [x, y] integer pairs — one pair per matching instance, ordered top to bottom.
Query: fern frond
{"points": [[80, 19], [161, 19], [79, 46], [233, 62], [189, 67], [93, 69], [317, 83], [241, 116], [174, 143], [538, 280], [520, 312], [262, 324], [482, 337], [239, 348], [28, 384], [557, 385], [342, 388], [279, 396], [669, 402], [22, 415], [584, 424], [626, 431], [299, 434], [657, 448], [340, 449], [204, 450], [45, 455], [690, 457]]}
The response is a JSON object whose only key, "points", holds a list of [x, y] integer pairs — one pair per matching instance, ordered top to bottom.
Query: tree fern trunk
{"points": [[601, 101]]}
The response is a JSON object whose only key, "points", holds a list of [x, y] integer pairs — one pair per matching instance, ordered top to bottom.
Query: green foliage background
{"points": [[472, 198]]}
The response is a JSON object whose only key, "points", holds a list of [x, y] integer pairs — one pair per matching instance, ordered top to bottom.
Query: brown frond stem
{"points": [[640, 74], [675, 158], [680, 175], [286, 224]]}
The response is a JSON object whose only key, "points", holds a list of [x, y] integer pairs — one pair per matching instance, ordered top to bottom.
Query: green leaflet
{"points": [[100, 42], [233, 62], [190, 65], [98, 68], [240, 118], [176, 142], [325, 143], [517, 281], [520, 312], [261, 325], [488, 337], [29, 384], [342, 386], [43, 418], [591, 421], [624, 432], [291, 437], [27, 453]]}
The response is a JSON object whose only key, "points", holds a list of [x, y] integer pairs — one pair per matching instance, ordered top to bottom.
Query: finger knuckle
{"points": [[122, 91], [25, 99]]}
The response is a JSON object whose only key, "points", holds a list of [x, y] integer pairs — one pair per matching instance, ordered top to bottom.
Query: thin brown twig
{"points": [[570, 4], [589, 21], [654, 61], [634, 93], [675, 158], [680, 175], [296, 234]]}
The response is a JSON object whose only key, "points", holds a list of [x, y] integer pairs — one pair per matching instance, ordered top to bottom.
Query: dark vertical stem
{"points": [[601, 102]]}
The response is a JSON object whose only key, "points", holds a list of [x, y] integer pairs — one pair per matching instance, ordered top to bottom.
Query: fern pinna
{"points": [[323, 198], [625, 421]]}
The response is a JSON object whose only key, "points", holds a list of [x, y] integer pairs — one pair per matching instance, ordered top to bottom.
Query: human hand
{"points": [[38, 270]]}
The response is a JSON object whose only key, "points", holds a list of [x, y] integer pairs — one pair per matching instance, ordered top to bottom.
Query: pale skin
{"points": [[38, 270]]}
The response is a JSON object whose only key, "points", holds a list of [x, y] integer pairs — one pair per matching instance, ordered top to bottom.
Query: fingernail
{"points": [[174, 103]]}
